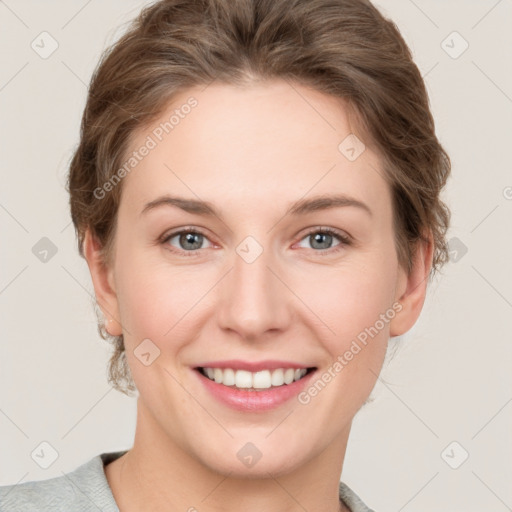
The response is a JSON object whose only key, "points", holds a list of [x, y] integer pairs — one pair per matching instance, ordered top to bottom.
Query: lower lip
{"points": [[243, 400]]}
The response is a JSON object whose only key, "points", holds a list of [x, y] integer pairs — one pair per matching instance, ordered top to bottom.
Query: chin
{"points": [[241, 458], [232, 466]]}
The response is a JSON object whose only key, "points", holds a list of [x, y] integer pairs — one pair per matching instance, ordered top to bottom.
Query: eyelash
{"points": [[344, 240]]}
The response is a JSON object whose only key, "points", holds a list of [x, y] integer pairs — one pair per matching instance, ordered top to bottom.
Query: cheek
{"points": [[351, 299], [154, 300], [157, 303], [353, 306]]}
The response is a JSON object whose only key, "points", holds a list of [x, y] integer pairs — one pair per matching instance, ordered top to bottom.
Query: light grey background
{"points": [[451, 379]]}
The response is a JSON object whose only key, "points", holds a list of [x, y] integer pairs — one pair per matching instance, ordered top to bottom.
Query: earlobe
{"points": [[103, 282], [412, 288]]}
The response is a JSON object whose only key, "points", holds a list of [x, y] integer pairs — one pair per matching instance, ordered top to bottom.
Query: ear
{"points": [[103, 281], [412, 289]]}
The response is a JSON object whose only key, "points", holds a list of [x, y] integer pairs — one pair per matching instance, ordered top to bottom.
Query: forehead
{"points": [[253, 145]]}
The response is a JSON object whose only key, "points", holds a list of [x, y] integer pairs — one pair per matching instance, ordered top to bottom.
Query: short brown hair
{"points": [[343, 48]]}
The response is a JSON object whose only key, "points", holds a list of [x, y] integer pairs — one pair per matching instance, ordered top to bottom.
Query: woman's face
{"points": [[262, 282]]}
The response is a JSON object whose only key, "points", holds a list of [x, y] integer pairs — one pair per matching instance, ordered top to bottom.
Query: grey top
{"points": [[86, 489]]}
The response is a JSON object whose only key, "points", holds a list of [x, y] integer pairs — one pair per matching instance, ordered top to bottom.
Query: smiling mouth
{"points": [[255, 381]]}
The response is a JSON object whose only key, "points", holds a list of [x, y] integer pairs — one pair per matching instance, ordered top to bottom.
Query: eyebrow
{"points": [[301, 207]]}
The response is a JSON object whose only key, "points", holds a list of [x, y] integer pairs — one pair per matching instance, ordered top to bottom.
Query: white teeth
{"points": [[217, 375], [289, 376], [229, 377], [277, 378], [243, 379], [258, 380], [262, 380]]}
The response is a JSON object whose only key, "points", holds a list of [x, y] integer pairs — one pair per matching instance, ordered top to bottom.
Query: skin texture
{"points": [[251, 152]]}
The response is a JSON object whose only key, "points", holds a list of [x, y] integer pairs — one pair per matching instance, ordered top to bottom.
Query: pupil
{"points": [[189, 238], [318, 238]]}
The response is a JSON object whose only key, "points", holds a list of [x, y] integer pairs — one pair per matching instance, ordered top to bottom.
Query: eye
{"points": [[322, 239], [187, 240]]}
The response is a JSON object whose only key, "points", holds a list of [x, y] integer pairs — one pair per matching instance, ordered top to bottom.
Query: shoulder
{"points": [[86, 488], [51, 494], [352, 500]]}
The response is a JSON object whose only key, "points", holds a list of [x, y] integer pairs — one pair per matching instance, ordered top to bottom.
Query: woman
{"points": [[257, 195]]}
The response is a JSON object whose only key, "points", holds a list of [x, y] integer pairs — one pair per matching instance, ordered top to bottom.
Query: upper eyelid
{"points": [[334, 231], [166, 237], [343, 237]]}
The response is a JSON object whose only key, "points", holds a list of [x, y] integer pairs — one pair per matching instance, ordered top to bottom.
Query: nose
{"points": [[253, 298]]}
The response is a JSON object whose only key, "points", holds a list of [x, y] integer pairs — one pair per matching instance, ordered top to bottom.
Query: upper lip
{"points": [[252, 366]]}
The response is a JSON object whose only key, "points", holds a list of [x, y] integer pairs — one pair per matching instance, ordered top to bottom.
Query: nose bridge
{"points": [[254, 300]]}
